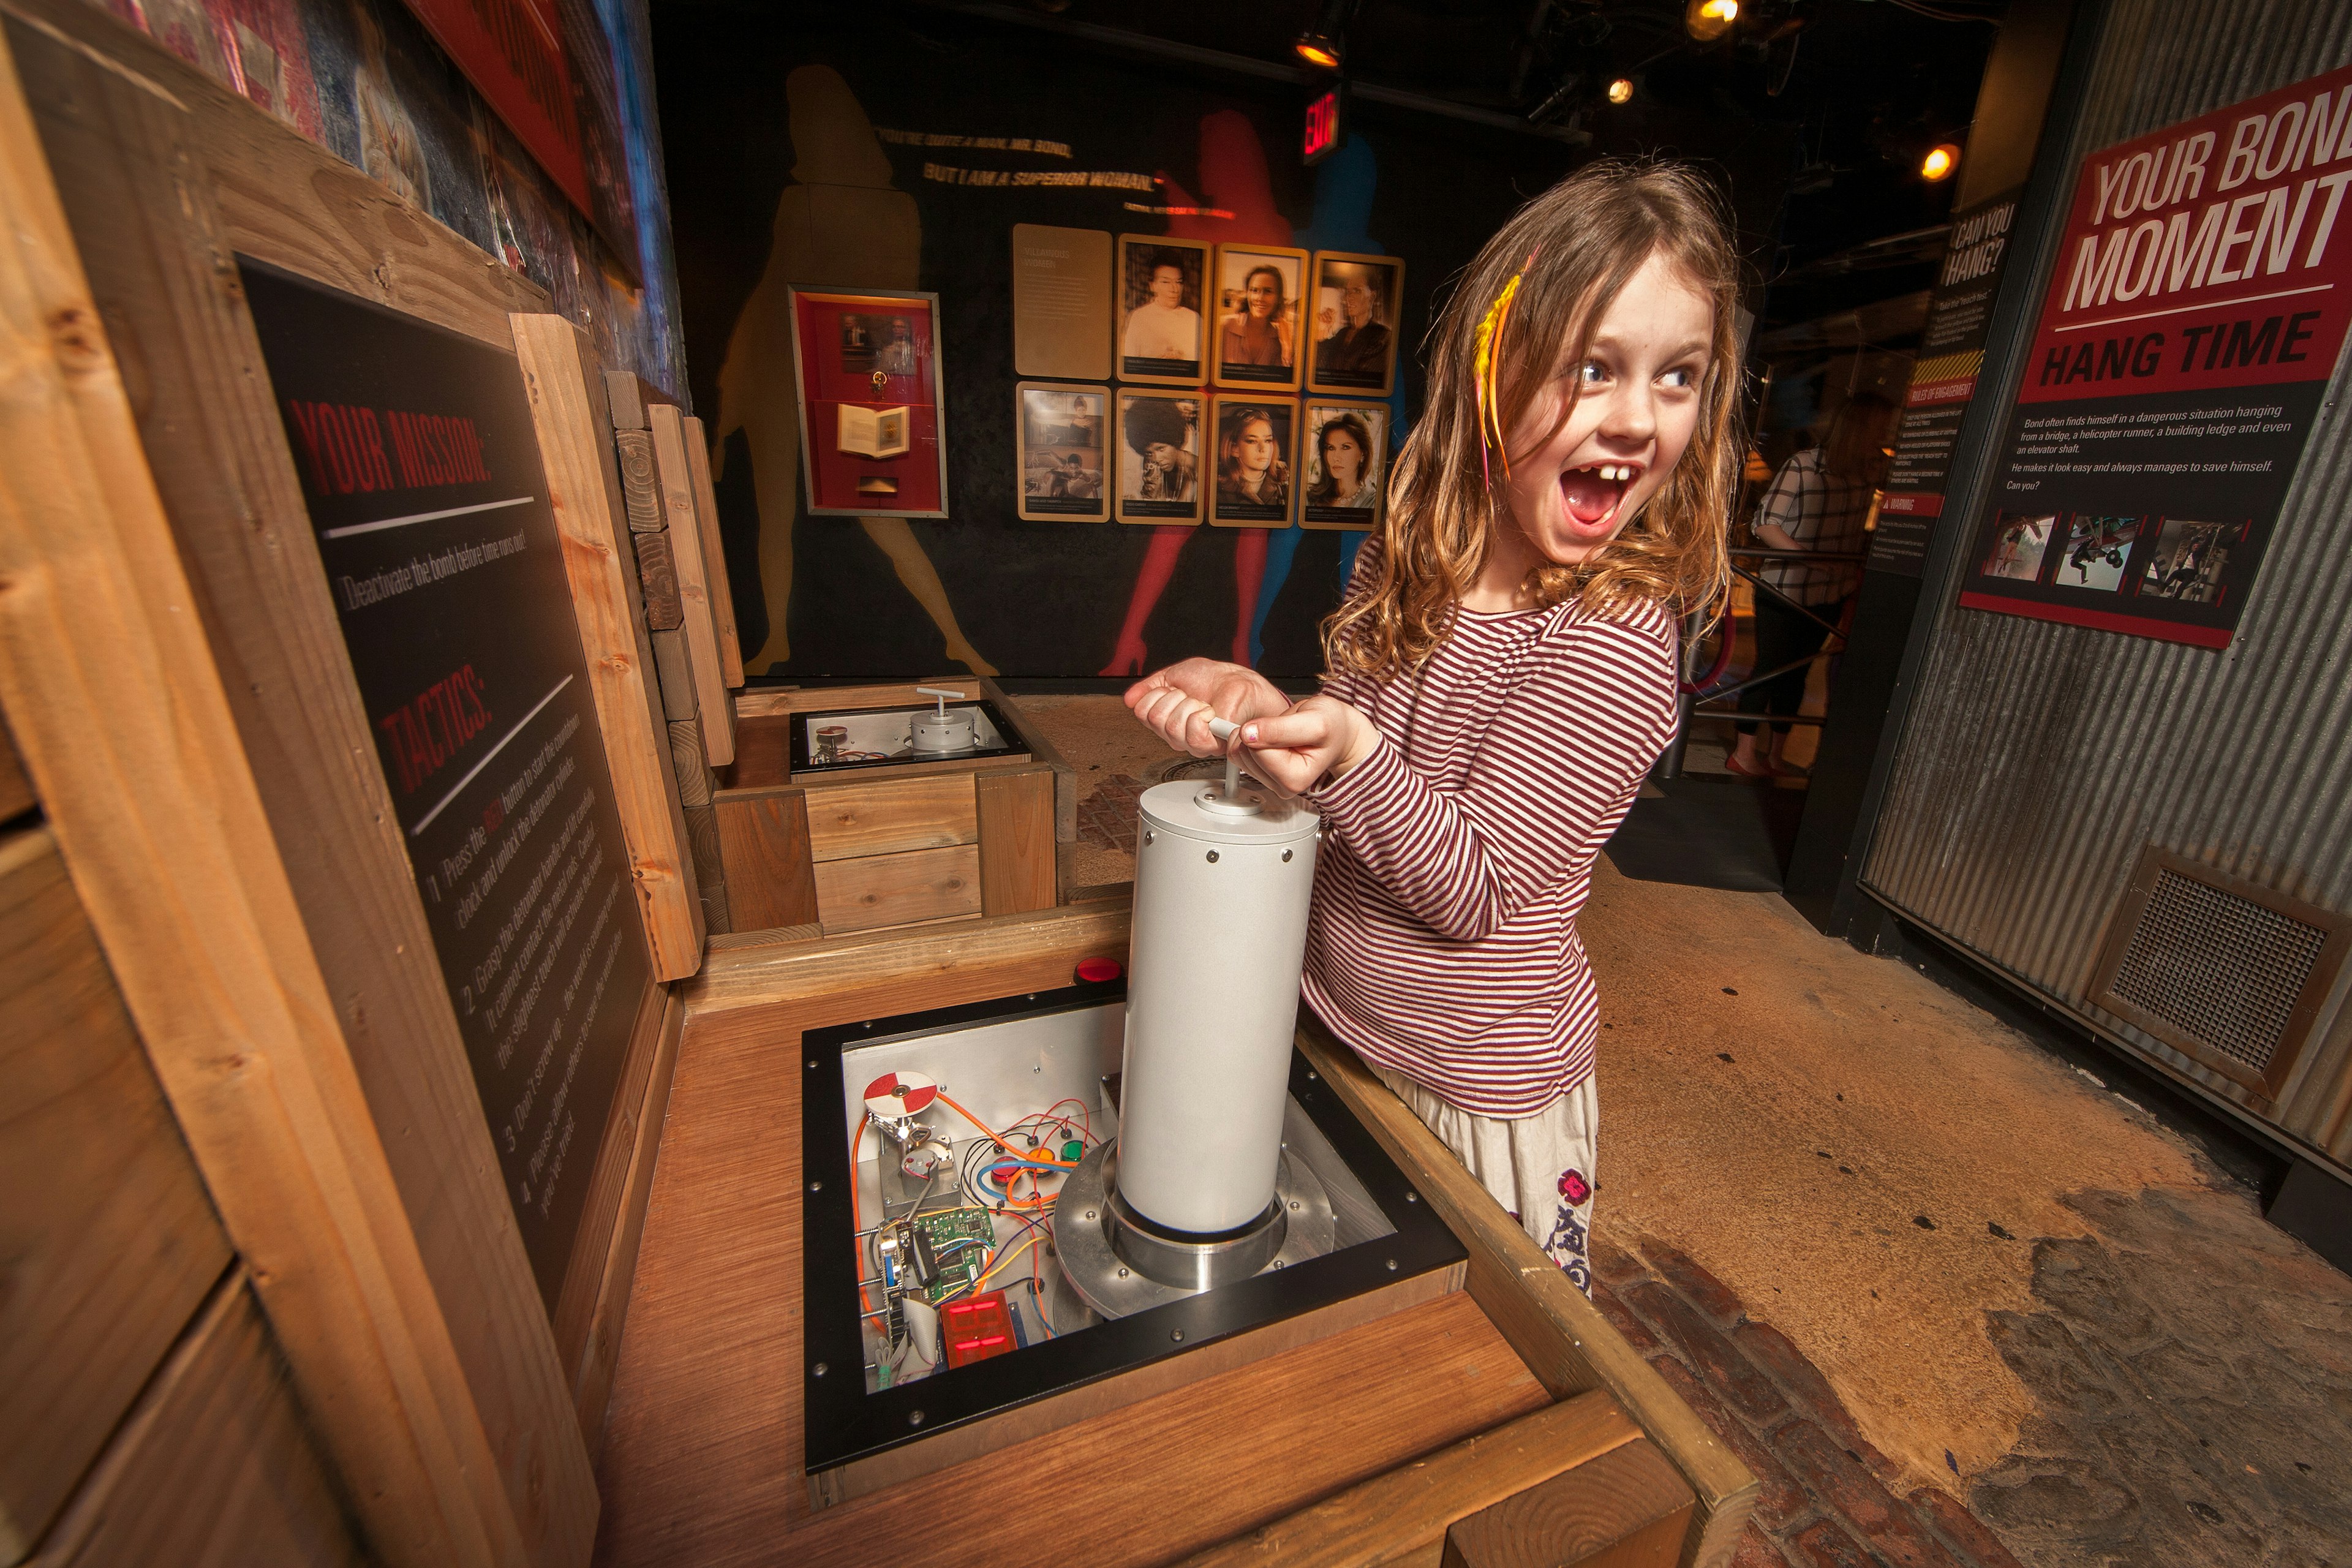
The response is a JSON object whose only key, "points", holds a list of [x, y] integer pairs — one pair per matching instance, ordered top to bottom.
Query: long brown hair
{"points": [[1587, 237]]}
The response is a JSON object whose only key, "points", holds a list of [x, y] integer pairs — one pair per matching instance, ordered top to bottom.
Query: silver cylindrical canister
{"points": [[944, 732], [1221, 896]]}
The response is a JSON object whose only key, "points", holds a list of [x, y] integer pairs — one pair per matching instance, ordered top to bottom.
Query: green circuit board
{"points": [[958, 1270]]}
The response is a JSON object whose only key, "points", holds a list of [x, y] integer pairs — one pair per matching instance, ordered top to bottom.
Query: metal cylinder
{"points": [[1221, 896]]}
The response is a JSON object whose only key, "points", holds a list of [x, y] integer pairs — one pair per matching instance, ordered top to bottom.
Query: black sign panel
{"points": [[423, 478]]}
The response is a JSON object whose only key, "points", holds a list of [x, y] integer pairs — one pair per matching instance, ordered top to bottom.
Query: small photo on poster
{"points": [[1161, 284], [1354, 315], [1257, 316], [872, 344], [1062, 449], [1159, 457], [1343, 465], [1252, 480], [2020, 540], [2097, 549], [2188, 560]]}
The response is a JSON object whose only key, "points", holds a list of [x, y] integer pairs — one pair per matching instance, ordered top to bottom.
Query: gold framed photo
{"points": [[1352, 313], [1160, 319], [1257, 332], [1061, 439], [1158, 453], [1343, 464], [1251, 479]]}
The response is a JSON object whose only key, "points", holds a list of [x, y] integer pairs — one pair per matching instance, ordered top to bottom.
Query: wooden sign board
{"points": [[422, 475]]}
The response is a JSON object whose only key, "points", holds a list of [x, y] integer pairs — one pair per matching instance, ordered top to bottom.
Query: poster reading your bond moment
{"points": [[2200, 298]]}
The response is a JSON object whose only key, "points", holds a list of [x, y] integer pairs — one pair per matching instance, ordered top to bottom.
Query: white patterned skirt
{"points": [[1539, 1167]]}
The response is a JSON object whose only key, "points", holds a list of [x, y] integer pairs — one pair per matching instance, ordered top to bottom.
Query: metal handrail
{"points": [[1694, 695]]}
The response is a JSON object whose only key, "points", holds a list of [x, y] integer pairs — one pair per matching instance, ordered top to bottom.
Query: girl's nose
{"points": [[1631, 413]]}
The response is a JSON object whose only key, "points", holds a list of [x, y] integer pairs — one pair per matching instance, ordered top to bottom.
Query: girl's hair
{"points": [[1574, 248], [1354, 428], [1852, 447]]}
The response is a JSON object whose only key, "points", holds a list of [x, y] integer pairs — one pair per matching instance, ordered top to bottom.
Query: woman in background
{"points": [[1259, 333], [1343, 449], [1250, 469], [1819, 501]]}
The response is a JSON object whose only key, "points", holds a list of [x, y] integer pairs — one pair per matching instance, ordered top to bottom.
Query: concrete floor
{"points": [[2035, 1324]]}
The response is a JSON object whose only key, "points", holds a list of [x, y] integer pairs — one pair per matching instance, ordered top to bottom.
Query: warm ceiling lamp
{"points": [[1708, 20], [1321, 52], [1621, 91], [1939, 162]]}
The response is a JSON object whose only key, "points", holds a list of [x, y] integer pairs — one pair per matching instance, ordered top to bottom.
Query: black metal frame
{"points": [[803, 752], [1671, 765], [843, 1422]]}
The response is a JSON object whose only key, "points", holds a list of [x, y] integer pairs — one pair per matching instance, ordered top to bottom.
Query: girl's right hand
{"points": [[1178, 702]]}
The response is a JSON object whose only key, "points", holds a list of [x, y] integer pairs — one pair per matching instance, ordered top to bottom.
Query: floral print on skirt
{"points": [[1539, 1168]]}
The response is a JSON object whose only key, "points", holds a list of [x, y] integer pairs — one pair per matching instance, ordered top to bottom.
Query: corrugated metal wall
{"points": [[2039, 759]]}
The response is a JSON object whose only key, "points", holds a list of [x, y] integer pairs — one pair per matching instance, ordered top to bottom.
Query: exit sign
{"points": [[1322, 126]]}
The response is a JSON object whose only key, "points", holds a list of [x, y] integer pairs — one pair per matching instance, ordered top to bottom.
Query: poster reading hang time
{"points": [[2187, 335]]}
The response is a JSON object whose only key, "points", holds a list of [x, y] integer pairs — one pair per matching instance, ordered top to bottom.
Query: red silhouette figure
{"points": [[1233, 180]]}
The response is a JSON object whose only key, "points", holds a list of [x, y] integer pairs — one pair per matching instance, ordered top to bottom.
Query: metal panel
{"points": [[2039, 758]]}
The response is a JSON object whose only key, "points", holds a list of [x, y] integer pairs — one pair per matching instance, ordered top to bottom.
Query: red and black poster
{"points": [[2187, 336], [1943, 382], [421, 473]]}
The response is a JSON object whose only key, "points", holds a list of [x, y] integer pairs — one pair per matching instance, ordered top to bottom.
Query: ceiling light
{"points": [[1708, 20], [1324, 45], [1321, 52], [1621, 91], [1939, 162]]}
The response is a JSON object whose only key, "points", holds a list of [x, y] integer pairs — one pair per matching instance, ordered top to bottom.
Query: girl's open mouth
{"points": [[1592, 493]]}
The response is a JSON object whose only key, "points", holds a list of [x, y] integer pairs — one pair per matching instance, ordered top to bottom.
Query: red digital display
{"points": [[1322, 125]]}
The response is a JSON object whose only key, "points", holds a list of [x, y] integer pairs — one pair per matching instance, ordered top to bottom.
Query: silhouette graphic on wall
{"points": [[1233, 179], [842, 225]]}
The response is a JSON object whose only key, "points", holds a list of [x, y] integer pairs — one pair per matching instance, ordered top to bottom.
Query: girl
{"points": [[1250, 471], [1502, 671]]}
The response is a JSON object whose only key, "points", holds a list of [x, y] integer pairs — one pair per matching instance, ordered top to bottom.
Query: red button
{"points": [[1097, 969]]}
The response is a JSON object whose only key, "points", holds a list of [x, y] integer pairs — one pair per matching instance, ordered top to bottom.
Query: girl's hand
{"points": [[1178, 702], [1293, 750]]}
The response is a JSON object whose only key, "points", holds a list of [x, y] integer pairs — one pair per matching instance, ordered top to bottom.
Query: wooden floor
{"points": [[703, 1453]]}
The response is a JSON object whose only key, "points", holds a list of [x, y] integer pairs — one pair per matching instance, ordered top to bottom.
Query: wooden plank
{"points": [[129, 165], [624, 395], [677, 481], [583, 487], [640, 488], [714, 551], [657, 581], [674, 669], [770, 701], [763, 752], [16, 796], [853, 818], [164, 834], [1016, 841], [763, 845], [709, 869], [898, 890], [733, 940], [865, 976], [110, 1240], [583, 1280], [606, 1331], [1561, 1334], [992, 1434], [703, 1453], [215, 1468], [1628, 1508], [1399, 1516]]}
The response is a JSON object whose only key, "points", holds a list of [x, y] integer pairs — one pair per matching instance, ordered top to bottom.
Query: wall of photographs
{"points": [[1143, 321], [1249, 375]]}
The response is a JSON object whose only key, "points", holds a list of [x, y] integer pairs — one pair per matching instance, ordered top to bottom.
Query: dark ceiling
{"points": [[1858, 89]]}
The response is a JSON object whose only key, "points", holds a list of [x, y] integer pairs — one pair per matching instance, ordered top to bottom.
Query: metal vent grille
{"points": [[2223, 970]]}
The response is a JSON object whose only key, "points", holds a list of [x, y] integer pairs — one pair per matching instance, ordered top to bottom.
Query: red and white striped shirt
{"points": [[1442, 942]]}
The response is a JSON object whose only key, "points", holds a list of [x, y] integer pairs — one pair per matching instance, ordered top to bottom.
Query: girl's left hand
{"points": [[1319, 735]]}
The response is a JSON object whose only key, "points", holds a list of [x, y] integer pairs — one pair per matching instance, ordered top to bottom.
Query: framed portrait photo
{"points": [[1159, 310], [1352, 315], [1257, 330], [873, 434], [1062, 437], [1159, 452], [1343, 464], [1252, 479]]}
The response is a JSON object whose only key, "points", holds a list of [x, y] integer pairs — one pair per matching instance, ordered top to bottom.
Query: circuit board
{"points": [[959, 1270]]}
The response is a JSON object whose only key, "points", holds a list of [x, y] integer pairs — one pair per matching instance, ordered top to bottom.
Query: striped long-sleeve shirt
{"points": [[1443, 941]]}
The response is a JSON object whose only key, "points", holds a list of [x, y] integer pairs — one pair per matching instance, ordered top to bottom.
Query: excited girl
{"points": [[1502, 670]]}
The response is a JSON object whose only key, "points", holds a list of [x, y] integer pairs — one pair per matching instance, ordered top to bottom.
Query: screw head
{"points": [[1151, 838], [1213, 857], [1285, 857], [812, 1066], [1310, 1078], [817, 1186], [1413, 1197], [1294, 1203], [1090, 1214], [1278, 1263], [1391, 1264], [1122, 1273], [1176, 1334], [819, 1370], [914, 1418]]}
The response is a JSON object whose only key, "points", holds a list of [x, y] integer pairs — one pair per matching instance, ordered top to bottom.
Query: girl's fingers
{"points": [[1299, 727]]}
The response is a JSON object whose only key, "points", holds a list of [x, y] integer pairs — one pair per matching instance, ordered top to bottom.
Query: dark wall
{"points": [[1041, 598]]}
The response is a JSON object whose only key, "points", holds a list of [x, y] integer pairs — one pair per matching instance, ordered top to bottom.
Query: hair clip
{"points": [[1487, 372]]}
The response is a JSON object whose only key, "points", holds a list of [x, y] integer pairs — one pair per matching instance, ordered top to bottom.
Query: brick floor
{"points": [[1106, 817], [1825, 1503]]}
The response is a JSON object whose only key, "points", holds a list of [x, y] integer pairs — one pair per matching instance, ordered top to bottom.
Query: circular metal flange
{"points": [[1103, 1245]]}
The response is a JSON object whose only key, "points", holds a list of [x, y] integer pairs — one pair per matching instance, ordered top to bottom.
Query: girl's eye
{"points": [[1592, 373], [1681, 376]]}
